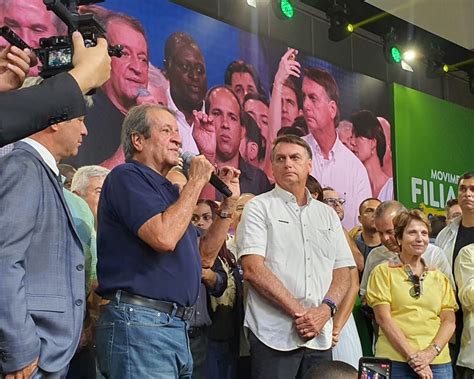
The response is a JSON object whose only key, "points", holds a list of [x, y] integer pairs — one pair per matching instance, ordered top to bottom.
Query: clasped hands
{"points": [[310, 322], [420, 362]]}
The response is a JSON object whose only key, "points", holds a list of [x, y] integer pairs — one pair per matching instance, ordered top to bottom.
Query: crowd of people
{"points": [[138, 267]]}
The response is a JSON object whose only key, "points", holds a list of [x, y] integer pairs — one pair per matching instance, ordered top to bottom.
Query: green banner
{"points": [[434, 144]]}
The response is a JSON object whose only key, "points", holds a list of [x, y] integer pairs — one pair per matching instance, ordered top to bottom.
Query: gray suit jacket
{"points": [[41, 266]]}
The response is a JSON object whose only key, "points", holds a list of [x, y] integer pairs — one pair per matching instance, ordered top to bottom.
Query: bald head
{"points": [[384, 215]]}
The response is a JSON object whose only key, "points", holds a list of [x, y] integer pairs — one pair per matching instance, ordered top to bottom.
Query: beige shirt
{"points": [[301, 246]]}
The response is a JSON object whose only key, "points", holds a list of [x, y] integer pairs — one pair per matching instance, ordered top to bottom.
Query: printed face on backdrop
{"points": [[30, 20], [129, 72], [187, 76], [242, 83], [289, 106], [225, 109], [318, 109], [259, 112], [364, 148]]}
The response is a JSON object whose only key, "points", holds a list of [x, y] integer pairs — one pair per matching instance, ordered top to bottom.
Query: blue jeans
{"points": [[139, 342], [401, 370]]}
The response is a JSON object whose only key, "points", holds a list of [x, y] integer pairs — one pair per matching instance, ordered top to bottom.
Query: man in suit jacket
{"points": [[26, 111], [41, 258]]}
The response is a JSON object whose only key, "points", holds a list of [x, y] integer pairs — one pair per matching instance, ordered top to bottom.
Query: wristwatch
{"points": [[224, 214], [331, 304], [437, 348]]}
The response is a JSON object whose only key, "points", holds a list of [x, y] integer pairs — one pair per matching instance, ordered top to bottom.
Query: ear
{"points": [[333, 109], [137, 142], [252, 151], [310, 166], [358, 218]]}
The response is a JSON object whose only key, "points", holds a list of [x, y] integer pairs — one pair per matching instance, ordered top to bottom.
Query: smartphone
{"points": [[374, 368]]}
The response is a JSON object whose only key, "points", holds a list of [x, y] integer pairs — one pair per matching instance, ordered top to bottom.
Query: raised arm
{"points": [[163, 231]]}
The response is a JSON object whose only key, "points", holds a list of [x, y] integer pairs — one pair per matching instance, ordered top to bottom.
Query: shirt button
{"points": [[309, 258], [80, 267], [309, 295], [78, 302]]}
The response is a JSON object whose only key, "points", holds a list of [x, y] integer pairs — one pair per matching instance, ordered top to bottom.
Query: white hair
{"points": [[81, 178]]}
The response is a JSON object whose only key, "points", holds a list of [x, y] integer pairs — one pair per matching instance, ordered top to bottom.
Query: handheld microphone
{"points": [[218, 184]]}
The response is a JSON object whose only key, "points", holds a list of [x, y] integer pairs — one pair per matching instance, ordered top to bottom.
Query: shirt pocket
{"points": [[322, 242]]}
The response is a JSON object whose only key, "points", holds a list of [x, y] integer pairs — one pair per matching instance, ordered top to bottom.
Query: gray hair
{"points": [[31, 81], [137, 121], [81, 178], [386, 206]]}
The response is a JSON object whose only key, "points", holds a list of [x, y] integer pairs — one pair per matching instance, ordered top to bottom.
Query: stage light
{"points": [[284, 9], [340, 27], [391, 50], [409, 55], [435, 65], [435, 69]]}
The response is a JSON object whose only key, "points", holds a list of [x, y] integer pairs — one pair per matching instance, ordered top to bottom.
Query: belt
{"points": [[184, 313]]}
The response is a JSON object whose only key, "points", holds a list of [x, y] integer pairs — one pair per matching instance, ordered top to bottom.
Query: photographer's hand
{"points": [[92, 65], [14, 66]]}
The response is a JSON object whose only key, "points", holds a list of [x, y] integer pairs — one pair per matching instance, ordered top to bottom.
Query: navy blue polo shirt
{"points": [[132, 194]]}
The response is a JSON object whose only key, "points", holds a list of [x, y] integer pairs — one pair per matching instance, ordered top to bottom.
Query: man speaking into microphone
{"points": [[149, 257]]}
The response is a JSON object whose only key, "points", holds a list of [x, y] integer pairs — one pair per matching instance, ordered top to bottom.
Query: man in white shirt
{"points": [[186, 71], [334, 165], [296, 259]]}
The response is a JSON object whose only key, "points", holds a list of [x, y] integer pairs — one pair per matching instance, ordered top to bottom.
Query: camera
{"points": [[55, 53]]}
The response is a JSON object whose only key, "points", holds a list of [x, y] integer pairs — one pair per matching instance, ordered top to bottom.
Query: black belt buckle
{"points": [[187, 313]]}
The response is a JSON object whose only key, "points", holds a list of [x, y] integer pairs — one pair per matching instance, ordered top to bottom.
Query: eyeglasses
{"points": [[332, 201], [417, 289]]}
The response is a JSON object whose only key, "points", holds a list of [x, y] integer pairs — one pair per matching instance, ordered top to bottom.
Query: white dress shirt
{"points": [[185, 131], [48, 158], [344, 172], [301, 246]]}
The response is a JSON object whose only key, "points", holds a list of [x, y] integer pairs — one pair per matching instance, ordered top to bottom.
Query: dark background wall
{"points": [[307, 31]]}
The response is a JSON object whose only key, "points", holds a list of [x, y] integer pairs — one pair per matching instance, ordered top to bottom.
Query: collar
{"points": [[174, 108], [336, 148], [45, 154], [288, 197], [396, 262]]}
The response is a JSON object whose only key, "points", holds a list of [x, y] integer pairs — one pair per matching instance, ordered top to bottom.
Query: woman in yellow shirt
{"points": [[414, 305]]}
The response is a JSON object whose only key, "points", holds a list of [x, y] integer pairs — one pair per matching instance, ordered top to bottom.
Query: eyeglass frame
{"points": [[332, 201]]}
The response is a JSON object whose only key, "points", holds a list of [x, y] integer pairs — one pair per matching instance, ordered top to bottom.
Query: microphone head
{"points": [[187, 157]]}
